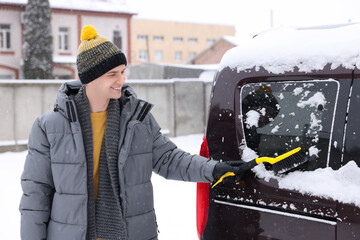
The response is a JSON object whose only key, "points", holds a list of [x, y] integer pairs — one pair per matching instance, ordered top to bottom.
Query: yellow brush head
{"points": [[278, 158]]}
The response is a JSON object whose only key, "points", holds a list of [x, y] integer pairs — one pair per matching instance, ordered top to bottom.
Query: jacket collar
{"points": [[64, 102]]}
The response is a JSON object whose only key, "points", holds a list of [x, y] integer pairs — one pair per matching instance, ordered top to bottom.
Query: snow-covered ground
{"points": [[175, 202]]}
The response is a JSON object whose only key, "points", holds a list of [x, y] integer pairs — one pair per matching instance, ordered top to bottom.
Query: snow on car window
{"points": [[316, 100], [278, 117], [303, 117], [252, 119], [342, 185]]}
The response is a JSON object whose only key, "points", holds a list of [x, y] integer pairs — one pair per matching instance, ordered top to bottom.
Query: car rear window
{"points": [[279, 116]]}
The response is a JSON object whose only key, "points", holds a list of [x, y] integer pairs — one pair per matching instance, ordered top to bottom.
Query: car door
{"points": [[274, 116], [349, 214]]}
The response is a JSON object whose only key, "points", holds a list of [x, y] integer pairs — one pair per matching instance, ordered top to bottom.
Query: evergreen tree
{"points": [[38, 41]]}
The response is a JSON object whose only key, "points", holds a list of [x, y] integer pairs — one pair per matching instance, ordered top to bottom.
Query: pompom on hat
{"points": [[96, 55]]}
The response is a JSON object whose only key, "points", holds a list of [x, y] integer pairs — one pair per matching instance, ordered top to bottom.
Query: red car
{"points": [[284, 89]]}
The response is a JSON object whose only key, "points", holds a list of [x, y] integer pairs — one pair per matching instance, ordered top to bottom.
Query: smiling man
{"points": [[87, 174]]}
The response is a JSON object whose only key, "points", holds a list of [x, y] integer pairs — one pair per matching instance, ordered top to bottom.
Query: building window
{"points": [[5, 37], [142, 37], [158, 38], [64, 39], [117, 39], [178, 39], [192, 40], [210, 41], [143, 55], [158, 55], [178, 56]]}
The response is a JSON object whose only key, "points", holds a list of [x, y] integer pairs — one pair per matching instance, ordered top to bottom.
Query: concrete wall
{"points": [[157, 71], [181, 106]]}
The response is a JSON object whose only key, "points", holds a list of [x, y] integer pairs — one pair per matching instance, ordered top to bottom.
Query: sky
{"points": [[250, 16]]}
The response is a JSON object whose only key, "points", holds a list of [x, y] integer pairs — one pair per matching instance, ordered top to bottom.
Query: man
{"points": [[88, 170]]}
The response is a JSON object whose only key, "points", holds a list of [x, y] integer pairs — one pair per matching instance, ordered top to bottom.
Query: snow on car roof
{"points": [[282, 49]]}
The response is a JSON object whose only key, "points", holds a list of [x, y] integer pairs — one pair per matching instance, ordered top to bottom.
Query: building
{"points": [[111, 18], [155, 41], [214, 53]]}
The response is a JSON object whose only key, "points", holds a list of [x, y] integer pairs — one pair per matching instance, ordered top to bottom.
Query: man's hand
{"points": [[230, 166]]}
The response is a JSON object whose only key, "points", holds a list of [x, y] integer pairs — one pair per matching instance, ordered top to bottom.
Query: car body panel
{"points": [[255, 208]]}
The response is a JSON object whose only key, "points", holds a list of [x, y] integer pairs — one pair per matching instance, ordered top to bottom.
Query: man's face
{"points": [[109, 85]]}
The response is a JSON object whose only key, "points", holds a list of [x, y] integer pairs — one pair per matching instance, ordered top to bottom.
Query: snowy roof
{"points": [[117, 6], [281, 49], [64, 59]]}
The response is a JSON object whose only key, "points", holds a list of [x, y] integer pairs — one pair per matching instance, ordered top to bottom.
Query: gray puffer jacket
{"points": [[54, 181]]}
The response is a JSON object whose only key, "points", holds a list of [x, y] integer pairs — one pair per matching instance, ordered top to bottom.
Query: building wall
{"points": [[65, 20], [107, 25], [169, 30], [213, 54], [9, 59], [64, 62]]}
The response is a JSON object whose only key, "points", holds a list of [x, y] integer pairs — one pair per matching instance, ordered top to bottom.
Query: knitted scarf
{"points": [[105, 220]]}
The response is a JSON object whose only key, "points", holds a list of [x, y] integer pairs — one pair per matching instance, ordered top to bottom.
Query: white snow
{"points": [[281, 49], [64, 59], [298, 90], [281, 96], [314, 101], [263, 111], [252, 119], [314, 122], [275, 129], [314, 151], [248, 154], [342, 185], [175, 201]]}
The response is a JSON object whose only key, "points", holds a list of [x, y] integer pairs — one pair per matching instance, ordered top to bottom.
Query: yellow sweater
{"points": [[98, 121]]}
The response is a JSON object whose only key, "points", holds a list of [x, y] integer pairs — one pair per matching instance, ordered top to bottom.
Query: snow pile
{"points": [[282, 49], [342, 185]]}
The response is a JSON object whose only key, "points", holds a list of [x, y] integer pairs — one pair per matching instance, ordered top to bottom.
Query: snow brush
{"points": [[281, 164]]}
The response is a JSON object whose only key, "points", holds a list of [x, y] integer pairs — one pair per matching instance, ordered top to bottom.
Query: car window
{"points": [[279, 116]]}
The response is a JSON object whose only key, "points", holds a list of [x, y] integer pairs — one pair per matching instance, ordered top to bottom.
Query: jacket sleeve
{"points": [[173, 163], [37, 186]]}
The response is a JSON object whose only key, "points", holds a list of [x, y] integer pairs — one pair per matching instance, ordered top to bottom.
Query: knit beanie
{"points": [[96, 55]]}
